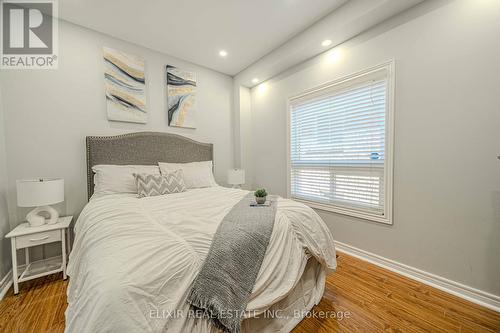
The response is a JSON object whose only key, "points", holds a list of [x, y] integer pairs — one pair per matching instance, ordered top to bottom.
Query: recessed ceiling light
{"points": [[326, 42], [223, 53], [255, 80]]}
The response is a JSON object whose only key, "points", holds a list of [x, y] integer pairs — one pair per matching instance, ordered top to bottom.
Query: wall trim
{"points": [[5, 284], [471, 294]]}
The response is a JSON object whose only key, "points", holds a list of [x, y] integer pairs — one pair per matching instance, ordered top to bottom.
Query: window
{"points": [[340, 145]]}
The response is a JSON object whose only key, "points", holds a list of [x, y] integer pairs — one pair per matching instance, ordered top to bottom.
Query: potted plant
{"points": [[260, 196]]}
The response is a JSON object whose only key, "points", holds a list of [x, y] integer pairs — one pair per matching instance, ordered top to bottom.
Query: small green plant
{"points": [[260, 193]]}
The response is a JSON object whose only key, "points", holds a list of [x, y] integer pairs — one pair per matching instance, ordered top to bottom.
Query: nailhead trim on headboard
{"points": [[142, 148]]}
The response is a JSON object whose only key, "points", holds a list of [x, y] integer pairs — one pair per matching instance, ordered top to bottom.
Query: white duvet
{"points": [[134, 260]]}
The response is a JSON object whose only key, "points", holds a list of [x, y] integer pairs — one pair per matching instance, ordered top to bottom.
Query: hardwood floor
{"points": [[372, 299], [379, 300], [39, 306]]}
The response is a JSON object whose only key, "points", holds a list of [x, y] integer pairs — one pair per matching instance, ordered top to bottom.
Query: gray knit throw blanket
{"points": [[224, 284]]}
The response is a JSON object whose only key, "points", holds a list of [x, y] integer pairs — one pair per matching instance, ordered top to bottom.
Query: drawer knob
{"points": [[38, 239]]}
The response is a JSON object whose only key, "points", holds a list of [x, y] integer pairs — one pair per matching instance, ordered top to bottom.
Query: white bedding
{"points": [[133, 261]]}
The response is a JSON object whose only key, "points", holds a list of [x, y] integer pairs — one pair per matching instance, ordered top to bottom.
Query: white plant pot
{"points": [[260, 200]]}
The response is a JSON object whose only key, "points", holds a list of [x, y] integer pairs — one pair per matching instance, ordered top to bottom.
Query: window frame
{"points": [[387, 218]]}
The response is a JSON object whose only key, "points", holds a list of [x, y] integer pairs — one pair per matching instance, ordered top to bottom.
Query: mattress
{"points": [[133, 262]]}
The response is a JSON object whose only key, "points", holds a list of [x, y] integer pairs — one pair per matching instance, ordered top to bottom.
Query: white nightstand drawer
{"points": [[38, 238]]}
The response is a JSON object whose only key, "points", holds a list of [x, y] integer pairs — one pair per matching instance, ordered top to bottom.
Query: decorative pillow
{"points": [[196, 174], [111, 179], [152, 185]]}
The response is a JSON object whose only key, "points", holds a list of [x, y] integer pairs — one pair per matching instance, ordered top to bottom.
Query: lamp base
{"points": [[35, 220]]}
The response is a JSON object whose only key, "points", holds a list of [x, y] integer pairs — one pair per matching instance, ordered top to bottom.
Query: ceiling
{"points": [[350, 20], [196, 30]]}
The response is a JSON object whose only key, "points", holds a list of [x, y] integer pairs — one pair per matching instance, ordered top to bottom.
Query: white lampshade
{"points": [[236, 176], [40, 192]]}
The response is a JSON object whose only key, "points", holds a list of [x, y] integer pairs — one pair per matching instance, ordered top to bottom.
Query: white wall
{"points": [[49, 113], [447, 118], [246, 157], [5, 262]]}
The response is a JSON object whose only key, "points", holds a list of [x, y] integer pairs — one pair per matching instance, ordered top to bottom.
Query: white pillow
{"points": [[196, 174], [110, 179]]}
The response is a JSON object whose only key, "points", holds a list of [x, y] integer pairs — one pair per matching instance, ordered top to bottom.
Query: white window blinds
{"points": [[338, 144]]}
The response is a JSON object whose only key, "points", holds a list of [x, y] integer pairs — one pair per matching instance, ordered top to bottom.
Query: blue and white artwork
{"points": [[125, 86], [181, 95]]}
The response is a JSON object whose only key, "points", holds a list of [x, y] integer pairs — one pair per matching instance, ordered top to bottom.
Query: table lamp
{"points": [[236, 177], [40, 193]]}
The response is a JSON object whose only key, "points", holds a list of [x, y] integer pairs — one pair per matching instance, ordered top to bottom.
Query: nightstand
{"points": [[23, 237]]}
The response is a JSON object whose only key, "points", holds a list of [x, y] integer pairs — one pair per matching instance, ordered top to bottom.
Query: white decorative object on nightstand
{"points": [[24, 236]]}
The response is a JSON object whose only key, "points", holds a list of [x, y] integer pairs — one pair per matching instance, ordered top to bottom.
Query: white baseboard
{"points": [[5, 284], [474, 295]]}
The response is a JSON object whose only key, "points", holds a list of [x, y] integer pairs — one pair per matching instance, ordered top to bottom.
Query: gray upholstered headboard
{"points": [[142, 148]]}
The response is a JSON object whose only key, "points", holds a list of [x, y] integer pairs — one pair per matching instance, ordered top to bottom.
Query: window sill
{"points": [[346, 211]]}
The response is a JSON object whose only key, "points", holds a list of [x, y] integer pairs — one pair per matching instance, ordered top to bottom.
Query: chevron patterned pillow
{"points": [[149, 185]]}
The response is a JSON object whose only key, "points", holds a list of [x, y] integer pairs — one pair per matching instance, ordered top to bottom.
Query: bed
{"points": [[134, 260]]}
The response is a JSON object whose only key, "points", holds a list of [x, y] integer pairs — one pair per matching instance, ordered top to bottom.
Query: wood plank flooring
{"points": [[371, 299], [379, 300], [39, 306]]}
